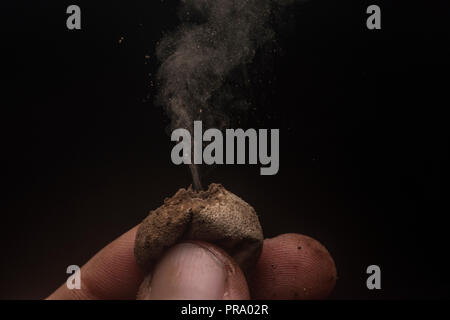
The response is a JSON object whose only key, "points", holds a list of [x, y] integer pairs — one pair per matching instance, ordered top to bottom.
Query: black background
{"points": [[364, 139]]}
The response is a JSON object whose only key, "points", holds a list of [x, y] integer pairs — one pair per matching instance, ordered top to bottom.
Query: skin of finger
{"points": [[293, 267], [111, 274], [236, 286]]}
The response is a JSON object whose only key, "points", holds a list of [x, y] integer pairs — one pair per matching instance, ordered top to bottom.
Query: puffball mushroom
{"points": [[216, 216]]}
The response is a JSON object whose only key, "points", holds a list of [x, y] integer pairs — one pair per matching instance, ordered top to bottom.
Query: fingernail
{"points": [[188, 272]]}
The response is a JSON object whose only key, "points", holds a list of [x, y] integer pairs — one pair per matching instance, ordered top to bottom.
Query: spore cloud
{"points": [[215, 38]]}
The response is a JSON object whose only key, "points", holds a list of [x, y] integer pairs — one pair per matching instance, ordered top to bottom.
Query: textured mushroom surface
{"points": [[216, 216]]}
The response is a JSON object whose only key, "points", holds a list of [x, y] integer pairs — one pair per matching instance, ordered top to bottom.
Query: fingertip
{"points": [[293, 266], [195, 270], [237, 287]]}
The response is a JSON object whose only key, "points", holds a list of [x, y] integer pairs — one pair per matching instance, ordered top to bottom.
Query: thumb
{"points": [[194, 271]]}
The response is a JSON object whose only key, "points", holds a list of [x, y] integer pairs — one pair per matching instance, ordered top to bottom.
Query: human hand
{"points": [[291, 266]]}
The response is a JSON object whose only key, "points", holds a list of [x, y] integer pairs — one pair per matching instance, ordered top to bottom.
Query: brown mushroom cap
{"points": [[216, 216]]}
